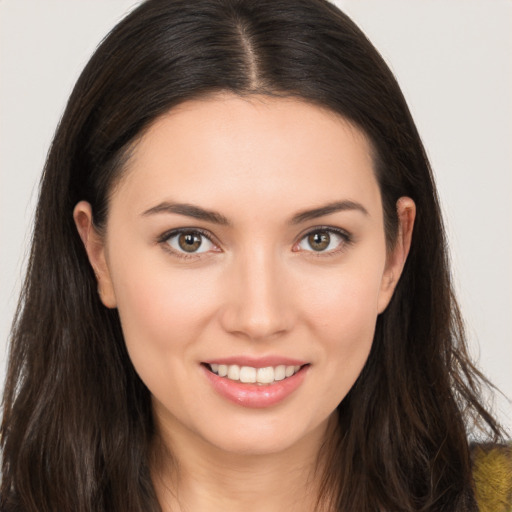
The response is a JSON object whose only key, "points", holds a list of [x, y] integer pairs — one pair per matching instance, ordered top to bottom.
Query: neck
{"points": [[200, 477]]}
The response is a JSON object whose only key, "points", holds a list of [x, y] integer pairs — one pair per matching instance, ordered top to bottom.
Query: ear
{"points": [[95, 248], [395, 261]]}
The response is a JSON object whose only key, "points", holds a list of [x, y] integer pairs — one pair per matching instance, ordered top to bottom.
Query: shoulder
{"points": [[492, 474]]}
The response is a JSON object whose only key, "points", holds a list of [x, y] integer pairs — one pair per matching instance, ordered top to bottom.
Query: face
{"points": [[245, 252]]}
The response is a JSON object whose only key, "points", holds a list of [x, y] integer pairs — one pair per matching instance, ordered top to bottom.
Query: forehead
{"points": [[231, 150]]}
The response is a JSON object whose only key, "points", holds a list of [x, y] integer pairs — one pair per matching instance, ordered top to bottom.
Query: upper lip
{"points": [[258, 362]]}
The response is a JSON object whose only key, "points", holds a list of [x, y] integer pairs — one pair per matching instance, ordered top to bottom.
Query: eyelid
{"points": [[176, 231], [344, 234], [347, 237], [164, 238]]}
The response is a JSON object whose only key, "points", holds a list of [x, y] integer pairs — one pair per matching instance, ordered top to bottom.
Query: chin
{"points": [[264, 438]]}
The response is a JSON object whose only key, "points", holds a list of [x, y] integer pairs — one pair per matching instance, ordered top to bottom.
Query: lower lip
{"points": [[254, 395]]}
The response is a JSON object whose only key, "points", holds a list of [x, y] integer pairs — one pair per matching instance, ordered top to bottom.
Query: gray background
{"points": [[453, 59]]}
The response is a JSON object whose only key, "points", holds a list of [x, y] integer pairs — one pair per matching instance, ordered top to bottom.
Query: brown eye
{"points": [[319, 240], [324, 240], [190, 242]]}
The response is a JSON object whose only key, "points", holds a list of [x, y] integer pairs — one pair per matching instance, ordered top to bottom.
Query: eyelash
{"points": [[344, 235], [165, 237], [347, 240]]}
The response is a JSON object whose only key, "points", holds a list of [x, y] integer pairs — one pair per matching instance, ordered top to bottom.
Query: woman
{"points": [[238, 293]]}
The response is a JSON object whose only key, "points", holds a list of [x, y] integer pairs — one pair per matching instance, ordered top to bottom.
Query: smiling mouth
{"points": [[250, 375]]}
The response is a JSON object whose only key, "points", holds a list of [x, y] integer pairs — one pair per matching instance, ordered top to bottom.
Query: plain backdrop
{"points": [[453, 59]]}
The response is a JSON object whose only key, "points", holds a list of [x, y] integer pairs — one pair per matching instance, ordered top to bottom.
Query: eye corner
{"points": [[327, 234], [201, 244]]}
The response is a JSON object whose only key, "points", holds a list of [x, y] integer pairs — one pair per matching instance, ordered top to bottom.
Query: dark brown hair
{"points": [[77, 422]]}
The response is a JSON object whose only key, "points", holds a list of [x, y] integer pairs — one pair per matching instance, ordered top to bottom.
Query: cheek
{"points": [[344, 301], [162, 312], [342, 312], [346, 324]]}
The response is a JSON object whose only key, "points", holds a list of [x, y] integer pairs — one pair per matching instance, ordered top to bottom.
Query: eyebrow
{"points": [[338, 206], [189, 211], [217, 218]]}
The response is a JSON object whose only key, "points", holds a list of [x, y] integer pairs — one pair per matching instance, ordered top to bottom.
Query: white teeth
{"points": [[289, 371], [233, 372], [280, 372], [248, 374], [265, 375]]}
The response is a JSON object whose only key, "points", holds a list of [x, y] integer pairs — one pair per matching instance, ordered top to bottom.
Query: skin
{"points": [[257, 289]]}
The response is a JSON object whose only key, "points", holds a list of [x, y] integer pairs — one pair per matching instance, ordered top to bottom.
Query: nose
{"points": [[258, 300]]}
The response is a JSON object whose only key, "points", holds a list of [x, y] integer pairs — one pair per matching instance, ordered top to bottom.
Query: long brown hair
{"points": [[77, 423]]}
